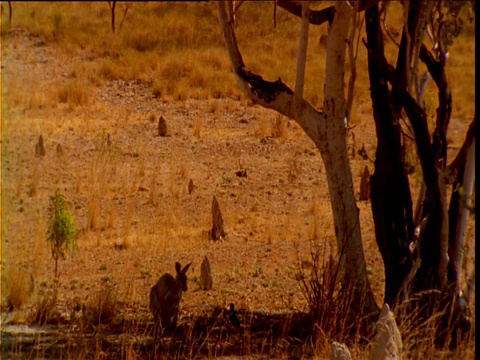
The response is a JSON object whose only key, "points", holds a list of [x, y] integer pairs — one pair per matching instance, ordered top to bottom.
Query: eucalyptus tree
{"points": [[326, 129], [421, 245], [422, 248]]}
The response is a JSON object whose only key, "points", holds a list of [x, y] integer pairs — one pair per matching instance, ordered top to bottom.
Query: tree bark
{"points": [[112, 5], [315, 17], [302, 52], [352, 59], [274, 95], [444, 110], [335, 157], [463, 169], [467, 184], [390, 192], [430, 249]]}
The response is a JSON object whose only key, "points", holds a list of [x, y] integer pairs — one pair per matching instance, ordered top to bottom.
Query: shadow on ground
{"points": [[210, 334]]}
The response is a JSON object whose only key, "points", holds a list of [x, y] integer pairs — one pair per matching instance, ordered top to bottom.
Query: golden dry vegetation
{"points": [[97, 96]]}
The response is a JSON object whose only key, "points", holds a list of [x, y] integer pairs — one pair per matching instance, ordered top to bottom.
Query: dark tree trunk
{"points": [[112, 5], [10, 12], [444, 110], [390, 192], [430, 274], [427, 277]]}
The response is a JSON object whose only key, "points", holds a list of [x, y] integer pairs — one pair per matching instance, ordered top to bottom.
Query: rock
{"points": [[162, 126], [39, 147], [59, 150], [363, 152], [241, 173], [365, 185], [191, 186], [218, 231], [206, 280], [387, 344], [340, 352]]}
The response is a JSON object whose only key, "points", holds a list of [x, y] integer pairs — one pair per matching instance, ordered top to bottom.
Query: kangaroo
{"points": [[165, 297]]}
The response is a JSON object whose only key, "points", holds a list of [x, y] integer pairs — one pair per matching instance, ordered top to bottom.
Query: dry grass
{"points": [[184, 63], [86, 83], [73, 93], [18, 287], [102, 307], [45, 309], [420, 336]]}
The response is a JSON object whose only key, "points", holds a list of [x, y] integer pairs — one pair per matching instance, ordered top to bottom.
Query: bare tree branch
{"points": [[240, 3], [364, 4], [112, 5], [127, 7], [10, 12], [231, 12], [274, 14], [383, 15], [315, 17], [302, 52], [353, 65], [270, 94], [444, 110], [417, 118], [329, 138], [461, 157], [390, 194]]}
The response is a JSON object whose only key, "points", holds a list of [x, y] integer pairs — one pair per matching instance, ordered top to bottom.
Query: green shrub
{"points": [[61, 233]]}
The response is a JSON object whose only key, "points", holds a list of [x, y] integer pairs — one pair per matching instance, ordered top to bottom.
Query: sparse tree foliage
{"points": [[61, 233]]}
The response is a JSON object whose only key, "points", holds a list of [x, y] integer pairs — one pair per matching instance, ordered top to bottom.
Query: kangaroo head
{"points": [[181, 275]]}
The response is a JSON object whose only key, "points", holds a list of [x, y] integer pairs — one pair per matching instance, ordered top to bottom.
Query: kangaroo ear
{"points": [[178, 267], [184, 270]]}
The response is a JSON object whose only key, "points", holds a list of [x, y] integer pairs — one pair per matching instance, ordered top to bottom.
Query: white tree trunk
{"points": [[302, 52], [328, 136], [335, 157], [444, 177], [468, 179], [340, 351]]}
